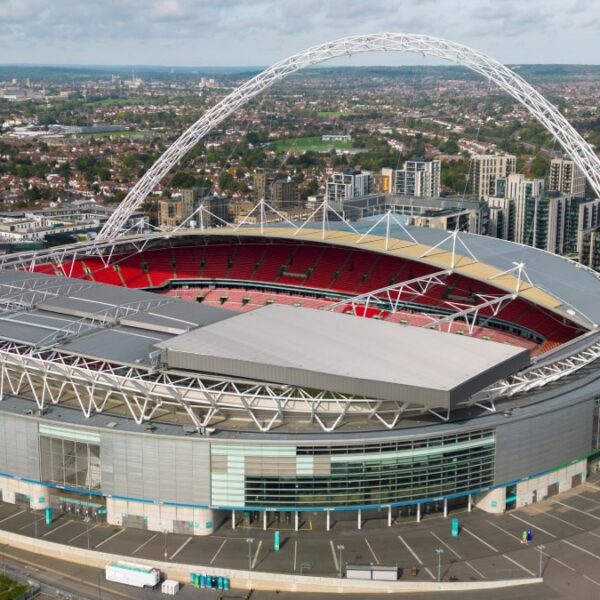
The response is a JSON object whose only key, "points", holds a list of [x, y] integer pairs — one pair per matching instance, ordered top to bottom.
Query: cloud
{"points": [[259, 31]]}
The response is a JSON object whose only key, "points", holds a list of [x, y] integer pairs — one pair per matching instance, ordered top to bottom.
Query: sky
{"points": [[260, 32]]}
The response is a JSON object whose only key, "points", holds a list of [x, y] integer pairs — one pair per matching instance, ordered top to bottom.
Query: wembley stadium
{"points": [[174, 381]]}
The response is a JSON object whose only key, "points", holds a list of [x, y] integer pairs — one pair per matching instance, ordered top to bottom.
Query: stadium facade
{"points": [[149, 378], [455, 378]]}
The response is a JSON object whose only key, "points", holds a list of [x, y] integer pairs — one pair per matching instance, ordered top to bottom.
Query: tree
{"points": [[226, 181]]}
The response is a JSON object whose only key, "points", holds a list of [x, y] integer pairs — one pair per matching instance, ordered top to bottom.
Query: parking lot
{"points": [[488, 547]]}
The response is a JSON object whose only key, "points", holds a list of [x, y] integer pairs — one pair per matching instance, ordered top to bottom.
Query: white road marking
{"points": [[588, 499], [577, 510], [547, 514], [13, 515], [30, 524], [532, 525], [57, 528], [82, 533], [594, 534], [114, 535], [512, 535], [479, 539], [441, 541], [144, 543], [181, 548], [581, 549], [371, 550], [410, 550], [295, 552], [256, 553], [212, 560], [335, 560], [560, 562], [519, 565], [474, 569], [430, 574], [592, 580]]}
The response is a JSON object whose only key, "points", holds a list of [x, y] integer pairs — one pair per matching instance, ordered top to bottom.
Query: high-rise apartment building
{"points": [[485, 169], [566, 177], [418, 178], [347, 184], [276, 189]]}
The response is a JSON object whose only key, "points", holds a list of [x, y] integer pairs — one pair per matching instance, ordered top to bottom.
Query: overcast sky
{"points": [[259, 32]]}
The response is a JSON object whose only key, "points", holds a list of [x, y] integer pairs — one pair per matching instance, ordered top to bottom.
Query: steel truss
{"points": [[546, 113], [393, 297], [538, 376], [50, 377]]}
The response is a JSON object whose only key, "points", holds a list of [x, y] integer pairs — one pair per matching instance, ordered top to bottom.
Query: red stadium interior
{"points": [[244, 274]]}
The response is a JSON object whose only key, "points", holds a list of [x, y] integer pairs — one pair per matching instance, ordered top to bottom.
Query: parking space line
{"points": [[588, 499], [577, 510], [547, 514], [13, 515], [30, 524], [532, 525], [57, 528], [82, 533], [594, 534], [512, 535], [110, 537], [479, 539], [441, 541], [144, 543], [181, 548], [581, 549], [410, 550], [256, 553], [373, 553], [212, 560], [335, 560], [512, 560], [560, 562], [474, 569], [430, 573], [592, 580]]}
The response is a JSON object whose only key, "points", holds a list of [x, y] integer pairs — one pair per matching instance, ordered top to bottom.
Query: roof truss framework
{"points": [[50, 377]]}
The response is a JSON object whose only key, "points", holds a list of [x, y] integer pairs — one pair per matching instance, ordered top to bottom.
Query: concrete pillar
{"points": [[470, 504], [445, 507], [418, 513], [389, 516], [359, 518], [233, 519], [264, 520], [296, 520], [328, 520]]}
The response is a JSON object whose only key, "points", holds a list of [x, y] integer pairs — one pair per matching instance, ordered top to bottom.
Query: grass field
{"points": [[128, 133], [311, 143], [9, 589]]}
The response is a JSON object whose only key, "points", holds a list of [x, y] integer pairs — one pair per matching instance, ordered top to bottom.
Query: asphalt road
{"points": [[489, 546]]}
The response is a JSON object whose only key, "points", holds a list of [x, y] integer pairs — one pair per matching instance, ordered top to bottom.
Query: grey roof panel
{"points": [[336, 352]]}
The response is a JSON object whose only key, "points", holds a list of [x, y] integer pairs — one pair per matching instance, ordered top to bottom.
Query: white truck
{"points": [[131, 574]]}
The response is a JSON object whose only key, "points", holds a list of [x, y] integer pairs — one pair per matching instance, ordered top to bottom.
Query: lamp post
{"points": [[249, 541], [340, 548], [541, 548], [439, 551]]}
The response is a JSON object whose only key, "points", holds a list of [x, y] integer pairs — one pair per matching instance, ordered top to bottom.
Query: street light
{"points": [[249, 541], [340, 548], [541, 548], [439, 551], [166, 554]]}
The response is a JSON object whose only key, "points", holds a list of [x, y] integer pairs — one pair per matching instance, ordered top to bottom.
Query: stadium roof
{"points": [[339, 353]]}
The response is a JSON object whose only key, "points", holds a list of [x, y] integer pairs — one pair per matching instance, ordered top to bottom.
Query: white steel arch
{"points": [[547, 114]]}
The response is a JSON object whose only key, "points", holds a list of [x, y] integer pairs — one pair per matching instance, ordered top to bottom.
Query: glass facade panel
{"points": [[70, 463], [355, 475]]}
